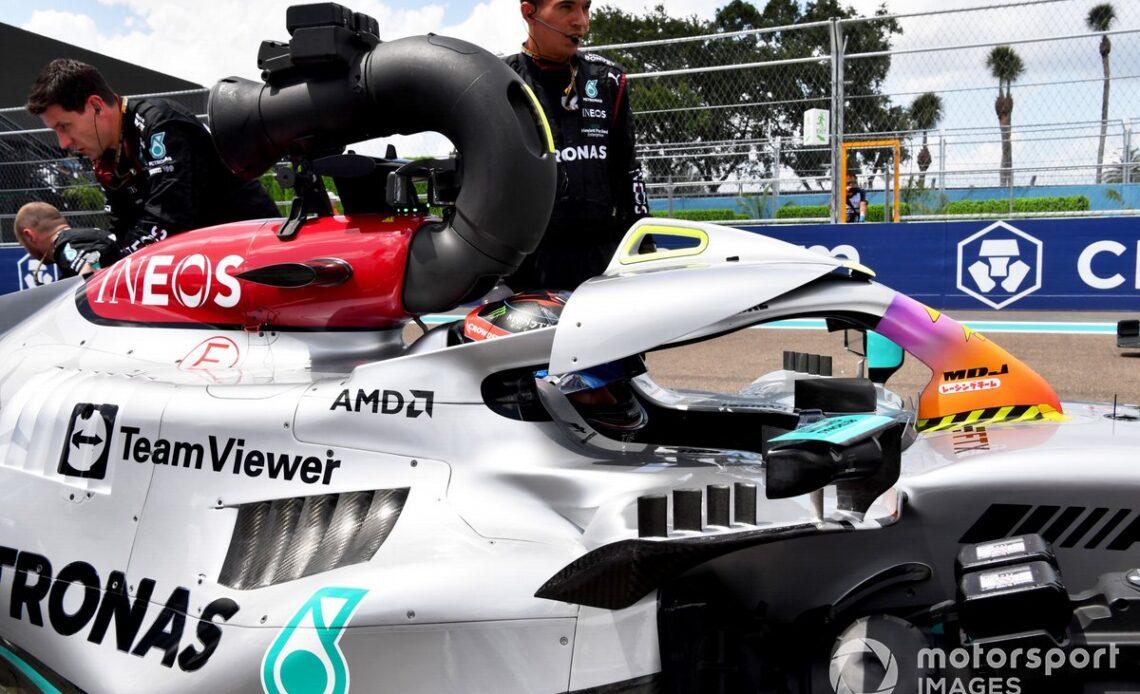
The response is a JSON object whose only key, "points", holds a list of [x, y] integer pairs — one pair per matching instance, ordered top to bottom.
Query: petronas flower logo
{"points": [[305, 657]]}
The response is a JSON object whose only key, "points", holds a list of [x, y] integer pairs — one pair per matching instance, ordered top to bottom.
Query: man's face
{"points": [[563, 17], [77, 131], [37, 245]]}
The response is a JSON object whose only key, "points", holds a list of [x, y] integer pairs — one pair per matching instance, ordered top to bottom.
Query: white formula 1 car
{"points": [[222, 470]]}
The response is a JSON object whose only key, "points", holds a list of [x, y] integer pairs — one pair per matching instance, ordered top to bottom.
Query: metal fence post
{"points": [[1126, 158], [941, 162], [1010, 170], [775, 175], [670, 189], [837, 202]]}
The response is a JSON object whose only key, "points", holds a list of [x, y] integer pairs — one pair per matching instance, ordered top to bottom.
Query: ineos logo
{"points": [[154, 280], [184, 297]]}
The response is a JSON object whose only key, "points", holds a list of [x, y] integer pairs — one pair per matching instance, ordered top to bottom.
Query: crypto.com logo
{"points": [[999, 265], [35, 273], [856, 664]]}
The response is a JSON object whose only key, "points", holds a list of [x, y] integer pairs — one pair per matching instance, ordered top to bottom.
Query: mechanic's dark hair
{"points": [[67, 83]]}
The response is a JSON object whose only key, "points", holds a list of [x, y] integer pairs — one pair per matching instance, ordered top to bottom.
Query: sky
{"points": [[205, 40]]}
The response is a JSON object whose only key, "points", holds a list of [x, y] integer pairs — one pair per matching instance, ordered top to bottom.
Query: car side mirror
{"points": [[884, 357], [859, 453]]}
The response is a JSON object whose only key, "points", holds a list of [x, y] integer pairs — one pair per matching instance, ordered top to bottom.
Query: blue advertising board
{"points": [[1039, 264], [19, 271]]}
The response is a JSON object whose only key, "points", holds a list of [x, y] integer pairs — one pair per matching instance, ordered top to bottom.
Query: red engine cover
{"points": [[193, 278]]}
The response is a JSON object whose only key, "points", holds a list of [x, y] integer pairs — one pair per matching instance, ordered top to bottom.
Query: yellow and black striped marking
{"points": [[990, 415]]}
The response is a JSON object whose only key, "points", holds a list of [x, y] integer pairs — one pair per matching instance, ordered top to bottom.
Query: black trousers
{"points": [[562, 265]]}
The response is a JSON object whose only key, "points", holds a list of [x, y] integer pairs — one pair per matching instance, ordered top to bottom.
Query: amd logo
{"points": [[163, 280], [386, 402]]}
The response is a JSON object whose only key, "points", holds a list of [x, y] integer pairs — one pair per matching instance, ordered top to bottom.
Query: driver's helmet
{"points": [[515, 314], [601, 394], [605, 398]]}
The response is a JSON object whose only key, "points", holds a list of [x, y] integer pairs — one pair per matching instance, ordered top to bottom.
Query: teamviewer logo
{"points": [[999, 265], [88, 442]]}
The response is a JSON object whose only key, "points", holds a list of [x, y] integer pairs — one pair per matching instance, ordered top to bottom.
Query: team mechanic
{"points": [[156, 163], [601, 188], [44, 233]]}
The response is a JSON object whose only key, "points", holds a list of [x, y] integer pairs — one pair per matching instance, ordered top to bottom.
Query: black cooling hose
{"points": [[412, 85]]}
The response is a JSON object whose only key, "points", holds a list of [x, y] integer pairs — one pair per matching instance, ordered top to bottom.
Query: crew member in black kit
{"points": [[156, 163], [601, 188], [44, 233]]}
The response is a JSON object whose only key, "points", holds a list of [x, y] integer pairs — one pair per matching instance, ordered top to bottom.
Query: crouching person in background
{"points": [[46, 235]]}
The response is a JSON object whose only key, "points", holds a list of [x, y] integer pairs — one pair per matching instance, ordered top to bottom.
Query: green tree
{"points": [[1100, 19], [1006, 66], [679, 97], [720, 109], [925, 113]]}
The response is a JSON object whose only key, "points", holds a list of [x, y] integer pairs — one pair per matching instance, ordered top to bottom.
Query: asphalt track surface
{"points": [[1082, 362], [1081, 366]]}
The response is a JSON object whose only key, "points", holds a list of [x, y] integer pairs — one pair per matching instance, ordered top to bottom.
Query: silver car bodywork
{"points": [[127, 564]]}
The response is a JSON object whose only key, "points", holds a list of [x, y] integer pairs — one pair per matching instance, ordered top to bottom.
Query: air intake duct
{"points": [[334, 84], [285, 539]]}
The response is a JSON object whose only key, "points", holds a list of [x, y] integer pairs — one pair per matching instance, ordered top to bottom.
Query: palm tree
{"points": [[1100, 19], [1006, 66], [925, 112]]}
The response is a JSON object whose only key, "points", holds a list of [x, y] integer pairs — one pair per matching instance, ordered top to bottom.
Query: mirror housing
{"points": [[884, 357], [860, 454]]}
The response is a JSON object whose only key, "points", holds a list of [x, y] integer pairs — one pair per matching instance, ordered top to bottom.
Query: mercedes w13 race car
{"points": [[222, 469]]}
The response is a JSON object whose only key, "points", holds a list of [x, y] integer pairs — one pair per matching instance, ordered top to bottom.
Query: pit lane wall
{"points": [[1037, 264]]}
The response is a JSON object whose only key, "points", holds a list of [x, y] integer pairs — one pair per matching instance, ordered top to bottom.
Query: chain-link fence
{"points": [[720, 117], [32, 167]]}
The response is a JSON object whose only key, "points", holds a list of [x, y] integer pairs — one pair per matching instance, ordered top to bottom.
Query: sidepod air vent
{"points": [[285, 539]]}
